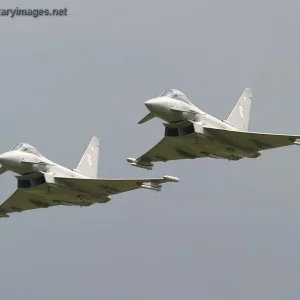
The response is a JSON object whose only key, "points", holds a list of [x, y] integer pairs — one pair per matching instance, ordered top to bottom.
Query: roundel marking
{"points": [[241, 111], [89, 157]]}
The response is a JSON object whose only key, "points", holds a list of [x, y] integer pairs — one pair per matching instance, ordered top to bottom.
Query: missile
{"points": [[134, 163], [151, 187]]}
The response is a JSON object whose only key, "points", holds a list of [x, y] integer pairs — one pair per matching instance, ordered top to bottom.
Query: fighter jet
{"points": [[192, 133], [43, 183]]}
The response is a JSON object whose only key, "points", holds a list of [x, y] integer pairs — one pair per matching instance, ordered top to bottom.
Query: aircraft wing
{"points": [[254, 140], [165, 150], [107, 187], [20, 201]]}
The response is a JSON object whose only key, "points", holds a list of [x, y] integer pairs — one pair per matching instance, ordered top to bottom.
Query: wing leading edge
{"points": [[165, 150]]}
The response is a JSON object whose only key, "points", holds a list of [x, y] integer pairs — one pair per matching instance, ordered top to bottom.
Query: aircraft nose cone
{"points": [[150, 103], [153, 104], [4, 158]]}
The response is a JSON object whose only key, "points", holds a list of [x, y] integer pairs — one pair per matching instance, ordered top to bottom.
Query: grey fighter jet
{"points": [[192, 133], [43, 183]]}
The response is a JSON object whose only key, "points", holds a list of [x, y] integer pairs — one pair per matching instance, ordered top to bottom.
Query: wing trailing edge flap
{"points": [[254, 140], [115, 186]]}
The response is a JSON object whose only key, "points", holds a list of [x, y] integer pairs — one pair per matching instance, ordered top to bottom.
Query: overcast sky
{"points": [[228, 230]]}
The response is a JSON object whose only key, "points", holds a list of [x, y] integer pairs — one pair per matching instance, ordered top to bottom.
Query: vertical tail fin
{"points": [[240, 115], [88, 164]]}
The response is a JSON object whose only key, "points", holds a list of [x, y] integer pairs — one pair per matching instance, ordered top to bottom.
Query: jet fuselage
{"points": [[174, 111], [23, 163]]}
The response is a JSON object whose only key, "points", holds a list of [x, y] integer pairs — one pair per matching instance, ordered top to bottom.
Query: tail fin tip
{"points": [[248, 92]]}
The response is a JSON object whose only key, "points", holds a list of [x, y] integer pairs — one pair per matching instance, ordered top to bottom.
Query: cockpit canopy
{"points": [[175, 94], [26, 148]]}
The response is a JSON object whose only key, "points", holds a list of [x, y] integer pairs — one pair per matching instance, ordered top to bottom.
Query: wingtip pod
{"points": [[131, 160], [171, 178]]}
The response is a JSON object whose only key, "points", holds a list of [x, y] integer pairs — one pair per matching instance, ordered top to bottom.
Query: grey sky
{"points": [[228, 230]]}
